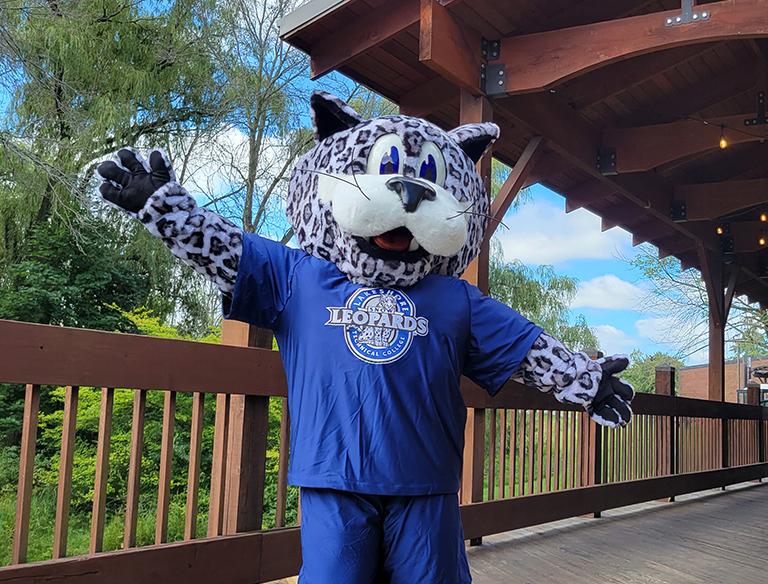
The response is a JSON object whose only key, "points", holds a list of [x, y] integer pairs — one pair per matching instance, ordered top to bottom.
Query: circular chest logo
{"points": [[379, 324]]}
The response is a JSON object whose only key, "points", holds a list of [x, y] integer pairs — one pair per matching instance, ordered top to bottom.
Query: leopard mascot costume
{"points": [[375, 330]]}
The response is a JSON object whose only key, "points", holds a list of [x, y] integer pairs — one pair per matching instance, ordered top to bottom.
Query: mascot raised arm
{"points": [[375, 330]]}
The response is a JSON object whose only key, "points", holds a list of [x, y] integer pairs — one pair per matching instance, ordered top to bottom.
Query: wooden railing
{"points": [[531, 459]]}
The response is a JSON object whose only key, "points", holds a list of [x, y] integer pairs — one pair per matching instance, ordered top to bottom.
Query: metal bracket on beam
{"points": [[687, 16], [490, 50], [493, 79], [760, 120], [606, 161], [677, 211], [726, 244]]}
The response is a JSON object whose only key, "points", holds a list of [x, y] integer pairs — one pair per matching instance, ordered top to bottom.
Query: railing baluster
{"points": [[550, 447], [558, 449], [512, 451], [502, 452], [491, 455], [531, 457], [66, 461], [166, 463], [282, 465], [219, 466], [134, 468], [26, 469], [102, 470], [193, 472], [539, 486]]}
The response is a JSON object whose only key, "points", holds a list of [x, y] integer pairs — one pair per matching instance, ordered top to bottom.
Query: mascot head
{"points": [[390, 199]]}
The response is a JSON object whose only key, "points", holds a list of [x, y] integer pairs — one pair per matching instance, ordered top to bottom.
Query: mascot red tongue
{"points": [[396, 240], [374, 343]]}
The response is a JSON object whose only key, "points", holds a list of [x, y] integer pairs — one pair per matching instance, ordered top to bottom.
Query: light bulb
{"points": [[723, 143], [763, 217], [719, 230], [762, 241]]}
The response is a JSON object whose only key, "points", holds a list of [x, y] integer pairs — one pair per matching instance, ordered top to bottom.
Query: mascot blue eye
{"points": [[390, 163], [428, 170]]}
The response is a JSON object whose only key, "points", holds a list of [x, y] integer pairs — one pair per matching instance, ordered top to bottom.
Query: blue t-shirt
{"points": [[373, 374]]}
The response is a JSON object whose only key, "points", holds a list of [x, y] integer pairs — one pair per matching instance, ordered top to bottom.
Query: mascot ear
{"points": [[330, 115], [475, 139]]}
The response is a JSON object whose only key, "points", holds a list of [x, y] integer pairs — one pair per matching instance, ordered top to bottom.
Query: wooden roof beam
{"points": [[371, 30], [540, 61], [646, 147], [712, 200]]}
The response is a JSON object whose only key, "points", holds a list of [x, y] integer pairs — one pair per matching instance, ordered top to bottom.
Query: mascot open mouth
{"points": [[396, 244]]}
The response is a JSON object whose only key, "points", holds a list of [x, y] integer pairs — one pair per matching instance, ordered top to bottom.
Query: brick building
{"points": [[693, 380]]}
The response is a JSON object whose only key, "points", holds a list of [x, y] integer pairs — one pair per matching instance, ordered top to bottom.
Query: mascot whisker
{"points": [[375, 330]]}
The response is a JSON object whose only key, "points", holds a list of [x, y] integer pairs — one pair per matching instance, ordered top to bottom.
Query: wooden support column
{"points": [[473, 110], [712, 274], [665, 434], [246, 442]]}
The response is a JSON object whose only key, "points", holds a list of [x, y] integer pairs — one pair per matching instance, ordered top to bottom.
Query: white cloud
{"points": [[542, 233], [607, 292], [613, 340]]}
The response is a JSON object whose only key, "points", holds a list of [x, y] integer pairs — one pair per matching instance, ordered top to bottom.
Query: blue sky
{"points": [[541, 232]]}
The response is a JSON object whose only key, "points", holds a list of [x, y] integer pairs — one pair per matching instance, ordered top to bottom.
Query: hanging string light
{"points": [[723, 142], [763, 217], [761, 241]]}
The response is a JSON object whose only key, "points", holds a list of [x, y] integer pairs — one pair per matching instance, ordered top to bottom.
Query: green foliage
{"points": [[74, 281], [542, 296], [641, 372]]}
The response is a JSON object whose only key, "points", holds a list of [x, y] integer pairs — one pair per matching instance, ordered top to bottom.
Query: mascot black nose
{"points": [[411, 192]]}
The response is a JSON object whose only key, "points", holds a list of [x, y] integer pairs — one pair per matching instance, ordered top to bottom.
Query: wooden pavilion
{"points": [[620, 106]]}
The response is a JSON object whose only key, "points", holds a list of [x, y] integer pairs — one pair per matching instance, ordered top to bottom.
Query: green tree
{"points": [[542, 296], [680, 297], [641, 372]]}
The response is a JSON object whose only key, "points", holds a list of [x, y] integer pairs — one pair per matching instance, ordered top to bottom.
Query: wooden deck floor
{"points": [[712, 537]]}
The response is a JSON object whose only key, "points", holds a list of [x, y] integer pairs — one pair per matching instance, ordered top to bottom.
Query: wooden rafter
{"points": [[589, 11], [373, 29], [539, 61], [614, 79], [695, 99]]}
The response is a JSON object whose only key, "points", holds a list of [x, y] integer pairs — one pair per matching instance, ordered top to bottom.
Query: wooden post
{"points": [[473, 110], [712, 274], [665, 385], [753, 399], [246, 442]]}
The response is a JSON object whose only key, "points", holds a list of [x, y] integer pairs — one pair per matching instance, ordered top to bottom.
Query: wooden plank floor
{"points": [[712, 537]]}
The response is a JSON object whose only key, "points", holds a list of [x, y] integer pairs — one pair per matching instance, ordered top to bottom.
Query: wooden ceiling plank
{"points": [[590, 11], [376, 27], [539, 61], [429, 97], [586, 194]]}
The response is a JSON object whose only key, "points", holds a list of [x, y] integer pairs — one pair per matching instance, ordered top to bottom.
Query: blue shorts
{"points": [[351, 538]]}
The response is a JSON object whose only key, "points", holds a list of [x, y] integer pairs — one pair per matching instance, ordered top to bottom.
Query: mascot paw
{"points": [[129, 180], [610, 407]]}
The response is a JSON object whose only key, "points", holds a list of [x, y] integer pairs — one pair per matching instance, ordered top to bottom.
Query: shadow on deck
{"points": [[712, 536]]}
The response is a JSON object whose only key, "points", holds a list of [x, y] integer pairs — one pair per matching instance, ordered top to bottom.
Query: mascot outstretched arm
{"points": [[375, 330]]}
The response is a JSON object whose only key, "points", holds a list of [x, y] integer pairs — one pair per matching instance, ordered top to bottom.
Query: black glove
{"points": [[130, 181], [610, 407]]}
